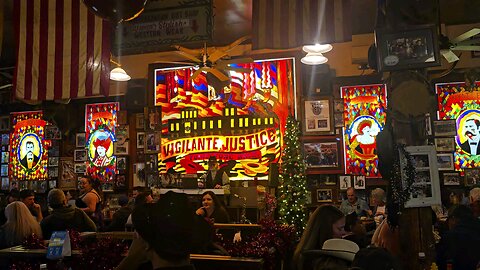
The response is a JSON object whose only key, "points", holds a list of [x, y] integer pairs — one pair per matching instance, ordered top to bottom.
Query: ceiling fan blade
{"points": [[466, 35], [466, 48], [223, 51], [215, 55], [188, 56], [449, 56], [175, 62], [224, 63], [238, 69], [196, 73], [222, 77]]}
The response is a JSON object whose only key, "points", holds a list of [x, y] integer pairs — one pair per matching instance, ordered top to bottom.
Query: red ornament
{"points": [[116, 11]]}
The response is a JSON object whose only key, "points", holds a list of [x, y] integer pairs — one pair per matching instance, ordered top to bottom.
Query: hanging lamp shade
{"points": [[314, 59], [118, 74]]}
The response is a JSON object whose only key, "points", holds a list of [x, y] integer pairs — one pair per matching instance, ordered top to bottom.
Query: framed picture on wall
{"points": [[338, 106], [317, 116], [445, 128], [80, 140], [140, 140], [152, 142], [445, 144], [321, 154], [80, 155], [445, 162], [122, 164], [80, 168], [472, 177], [451, 179], [344, 181], [359, 182], [324, 195]]}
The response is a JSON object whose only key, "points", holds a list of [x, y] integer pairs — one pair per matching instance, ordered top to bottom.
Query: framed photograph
{"points": [[411, 48], [338, 106], [317, 116], [154, 118], [338, 119], [139, 121], [445, 128], [52, 133], [5, 138], [80, 140], [140, 140], [152, 142], [445, 144], [120, 147], [54, 150], [322, 154], [80, 155], [5, 157], [53, 161], [445, 162], [151, 163], [122, 164], [80, 168], [4, 170], [52, 172], [139, 174], [472, 177], [67, 178], [451, 179], [120, 181], [344, 181], [359, 182], [5, 183], [52, 184], [107, 187], [425, 189], [324, 195]]}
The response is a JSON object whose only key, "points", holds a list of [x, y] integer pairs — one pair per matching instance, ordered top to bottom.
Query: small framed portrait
{"points": [[338, 106], [317, 116], [154, 118], [338, 119], [139, 121], [445, 128], [52, 133], [5, 138], [80, 140], [140, 140], [152, 142], [445, 144], [120, 147], [323, 153], [80, 155], [5, 157], [53, 161], [445, 162], [151, 163], [121, 164], [80, 168], [4, 170], [52, 172], [139, 174], [472, 177], [451, 178], [344, 181], [359, 182], [5, 183], [52, 184], [324, 195]]}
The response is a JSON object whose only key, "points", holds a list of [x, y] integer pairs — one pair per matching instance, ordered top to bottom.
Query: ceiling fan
{"points": [[461, 43], [214, 60]]}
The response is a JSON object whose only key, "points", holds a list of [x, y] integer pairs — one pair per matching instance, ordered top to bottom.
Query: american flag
{"points": [[283, 24], [63, 50]]}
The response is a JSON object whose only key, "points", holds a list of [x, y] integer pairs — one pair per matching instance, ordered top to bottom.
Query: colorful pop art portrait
{"points": [[456, 103], [364, 117], [101, 120], [240, 121], [28, 151]]}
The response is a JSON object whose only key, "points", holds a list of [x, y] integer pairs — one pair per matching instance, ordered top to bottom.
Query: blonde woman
{"points": [[20, 224]]}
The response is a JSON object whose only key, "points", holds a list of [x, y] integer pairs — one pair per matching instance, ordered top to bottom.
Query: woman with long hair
{"points": [[90, 200], [212, 208], [326, 222], [20, 224]]}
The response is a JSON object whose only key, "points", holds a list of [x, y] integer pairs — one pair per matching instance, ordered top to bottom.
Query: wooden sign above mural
{"points": [[164, 23]]}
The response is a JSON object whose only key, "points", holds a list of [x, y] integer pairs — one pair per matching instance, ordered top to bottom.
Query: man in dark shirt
{"points": [[27, 196], [121, 215], [64, 217]]}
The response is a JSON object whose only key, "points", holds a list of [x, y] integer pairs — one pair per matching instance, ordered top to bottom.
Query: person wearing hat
{"points": [[215, 177], [27, 196], [64, 216], [167, 232], [335, 254]]}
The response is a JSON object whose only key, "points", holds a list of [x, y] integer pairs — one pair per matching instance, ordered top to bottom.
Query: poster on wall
{"points": [[455, 103], [363, 118], [100, 122], [240, 122], [28, 147]]}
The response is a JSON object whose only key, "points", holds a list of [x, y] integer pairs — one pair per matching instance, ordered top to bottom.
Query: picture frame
{"points": [[412, 48], [338, 105], [317, 116], [153, 118], [338, 120], [139, 121], [444, 128], [52, 133], [5, 138], [80, 140], [140, 140], [152, 142], [445, 144], [120, 146], [321, 152], [80, 155], [5, 157], [53, 161], [445, 162], [122, 163], [151, 163], [80, 168], [4, 170], [52, 172], [139, 174], [472, 176], [67, 178], [451, 179], [120, 181], [344, 182], [359, 182], [5, 183], [52, 184], [107, 187], [425, 189], [324, 195]]}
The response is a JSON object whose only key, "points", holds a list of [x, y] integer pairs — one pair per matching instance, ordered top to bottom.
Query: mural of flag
{"points": [[283, 24], [63, 50]]}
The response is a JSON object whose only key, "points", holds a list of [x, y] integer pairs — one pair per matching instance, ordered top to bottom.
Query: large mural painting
{"points": [[456, 103], [364, 117], [100, 122], [240, 122], [28, 147]]}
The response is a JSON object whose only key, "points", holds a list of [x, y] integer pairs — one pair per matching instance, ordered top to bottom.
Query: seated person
{"points": [[27, 196], [378, 199], [354, 204], [212, 208], [120, 216], [64, 217], [355, 230], [374, 258]]}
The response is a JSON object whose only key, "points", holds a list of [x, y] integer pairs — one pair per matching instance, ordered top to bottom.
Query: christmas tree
{"points": [[293, 193]]}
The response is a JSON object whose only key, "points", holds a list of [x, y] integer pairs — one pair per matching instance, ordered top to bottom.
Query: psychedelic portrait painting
{"points": [[456, 103], [364, 117], [100, 122], [240, 122], [29, 149]]}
